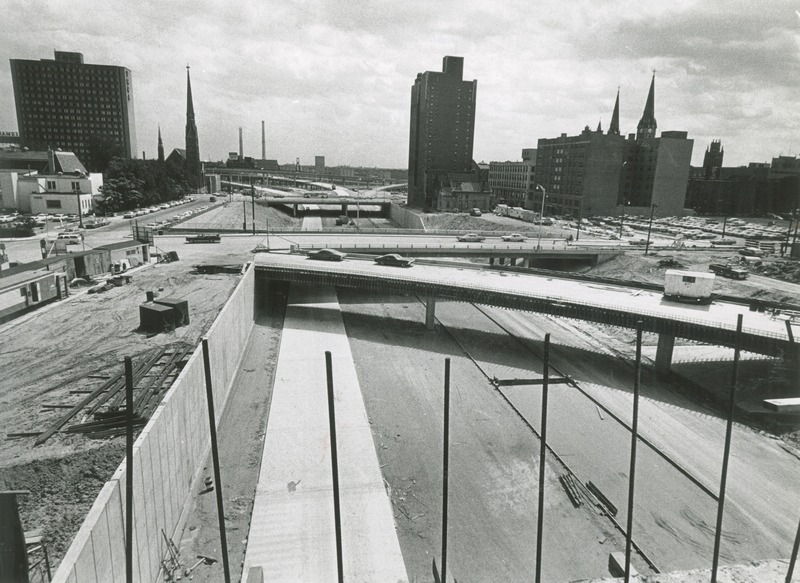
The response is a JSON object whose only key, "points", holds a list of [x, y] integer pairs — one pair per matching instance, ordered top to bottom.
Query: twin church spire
{"points": [[647, 125]]}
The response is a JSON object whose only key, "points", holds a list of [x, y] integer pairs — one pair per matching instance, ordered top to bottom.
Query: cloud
{"points": [[333, 77]]}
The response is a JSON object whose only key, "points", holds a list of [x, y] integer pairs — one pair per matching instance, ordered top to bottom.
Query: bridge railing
{"points": [[614, 314]]}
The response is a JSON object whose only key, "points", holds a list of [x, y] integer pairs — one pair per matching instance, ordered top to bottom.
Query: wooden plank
{"points": [[72, 412]]}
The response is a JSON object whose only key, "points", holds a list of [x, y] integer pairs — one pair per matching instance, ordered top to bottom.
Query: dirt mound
{"points": [[463, 222], [638, 267], [783, 270], [61, 492]]}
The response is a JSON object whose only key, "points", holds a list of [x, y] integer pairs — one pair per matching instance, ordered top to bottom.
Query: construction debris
{"points": [[152, 377], [568, 482]]}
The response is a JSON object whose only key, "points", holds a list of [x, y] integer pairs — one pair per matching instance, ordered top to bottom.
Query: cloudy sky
{"points": [[333, 77]]}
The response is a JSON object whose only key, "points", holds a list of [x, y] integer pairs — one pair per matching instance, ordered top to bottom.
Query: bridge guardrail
{"points": [[661, 323]]}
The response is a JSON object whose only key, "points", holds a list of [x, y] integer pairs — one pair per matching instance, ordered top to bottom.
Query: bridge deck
{"points": [[714, 323], [292, 528]]}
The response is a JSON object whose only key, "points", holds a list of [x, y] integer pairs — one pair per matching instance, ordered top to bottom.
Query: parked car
{"points": [[476, 212], [130, 215], [70, 238], [471, 238], [513, 238], [751, 252], [327, 255], [394, 260]]}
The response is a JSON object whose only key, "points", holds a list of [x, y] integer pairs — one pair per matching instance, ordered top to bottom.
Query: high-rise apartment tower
{"points": [[65, 103], [442, 129]]}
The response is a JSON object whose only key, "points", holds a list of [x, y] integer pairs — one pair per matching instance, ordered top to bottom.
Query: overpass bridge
{"points": [[253, 175], [600, 303]]}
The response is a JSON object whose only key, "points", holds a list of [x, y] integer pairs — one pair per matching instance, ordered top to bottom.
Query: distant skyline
{"points": [[333, 77]]}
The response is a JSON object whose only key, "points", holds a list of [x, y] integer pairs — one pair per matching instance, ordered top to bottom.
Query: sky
{"points": [[334, 77]]}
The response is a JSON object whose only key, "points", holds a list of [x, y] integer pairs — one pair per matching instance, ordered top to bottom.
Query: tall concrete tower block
{"points": [[442, 129]]}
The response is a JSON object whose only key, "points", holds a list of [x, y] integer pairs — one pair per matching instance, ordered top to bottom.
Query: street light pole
{"points": [[541, 217], [649, 227]]}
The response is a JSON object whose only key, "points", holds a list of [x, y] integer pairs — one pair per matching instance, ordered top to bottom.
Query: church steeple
{"points": [[647, 125], [600, 127], [613, 129], [192, 142], [160, 145]]}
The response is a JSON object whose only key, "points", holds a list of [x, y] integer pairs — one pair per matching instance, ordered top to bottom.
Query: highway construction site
{"points": [[494, 432]]}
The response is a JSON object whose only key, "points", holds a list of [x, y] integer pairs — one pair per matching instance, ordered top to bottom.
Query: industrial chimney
{"points": [[263, 142], [241, 146]]}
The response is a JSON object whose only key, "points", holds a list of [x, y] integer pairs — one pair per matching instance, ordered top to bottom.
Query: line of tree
{"points": [[130, 183]]}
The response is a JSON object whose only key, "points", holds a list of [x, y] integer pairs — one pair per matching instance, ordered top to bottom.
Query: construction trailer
{"points": [[692, 287], [26, 291]]}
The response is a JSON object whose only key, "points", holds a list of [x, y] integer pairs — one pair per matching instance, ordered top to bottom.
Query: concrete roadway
{"points": [[717, 314], [674, 519], [292, 528]]}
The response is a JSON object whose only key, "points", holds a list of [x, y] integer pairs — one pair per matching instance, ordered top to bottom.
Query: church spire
{"points": [[189, 104], [647, 125], [600, 127], [613, 129], [192, 142], [160, 145]]}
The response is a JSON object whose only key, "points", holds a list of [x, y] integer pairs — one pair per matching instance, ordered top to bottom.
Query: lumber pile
{"points": [[105, 408]]}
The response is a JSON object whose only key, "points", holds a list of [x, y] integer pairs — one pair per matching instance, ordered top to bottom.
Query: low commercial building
{"points": [[512, 183], [58, 193]]}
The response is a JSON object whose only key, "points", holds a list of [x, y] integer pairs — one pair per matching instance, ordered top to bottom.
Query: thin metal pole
{"points": [[253, 199], [244, 216], [541, 216], [650, 228], [212, 426], [634, 439], [542, 454], [726, 454], [445, 464], [128, 470], [337, 518], [793, 559]]}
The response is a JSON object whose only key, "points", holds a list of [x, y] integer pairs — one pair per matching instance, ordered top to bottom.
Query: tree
{"points": [[101, 150], [131, 183]]}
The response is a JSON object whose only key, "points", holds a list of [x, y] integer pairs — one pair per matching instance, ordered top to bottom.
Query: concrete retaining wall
{"points": [[405, 217], [168, 458]]}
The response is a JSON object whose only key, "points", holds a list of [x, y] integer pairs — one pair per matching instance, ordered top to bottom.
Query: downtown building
{"points": [[69, 105], [441, 136], [597, 173], [512, 182], [758, 189]]}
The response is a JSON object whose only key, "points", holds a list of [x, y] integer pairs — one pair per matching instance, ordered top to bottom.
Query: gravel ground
{"points": [[48, 353]]}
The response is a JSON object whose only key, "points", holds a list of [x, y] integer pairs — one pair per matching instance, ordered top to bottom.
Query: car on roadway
{"points": [[131, 215], [471, 238], [513, 238], [327, 255], [394, 260]]}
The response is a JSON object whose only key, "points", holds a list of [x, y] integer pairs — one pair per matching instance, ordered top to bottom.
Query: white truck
{"points": [[692, 287]]}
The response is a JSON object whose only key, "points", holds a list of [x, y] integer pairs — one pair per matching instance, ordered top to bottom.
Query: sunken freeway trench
{"points": [[674, 511]]}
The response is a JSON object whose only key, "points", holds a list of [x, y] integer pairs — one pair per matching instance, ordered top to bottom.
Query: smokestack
{"points": [[263, 142], [241, 147]]}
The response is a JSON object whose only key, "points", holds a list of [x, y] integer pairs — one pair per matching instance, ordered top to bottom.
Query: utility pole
{"points": [[541, 217], [650, 227]]}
